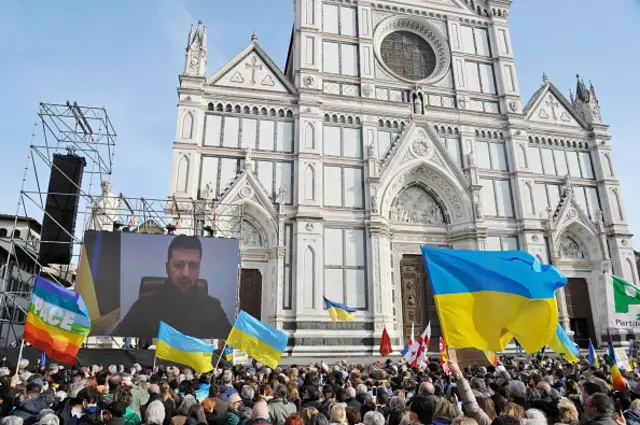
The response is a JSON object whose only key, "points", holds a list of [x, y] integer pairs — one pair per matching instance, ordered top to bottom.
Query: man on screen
{"points": [[179, 302]]}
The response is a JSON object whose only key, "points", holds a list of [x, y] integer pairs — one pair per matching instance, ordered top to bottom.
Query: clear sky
{"points": [[126, 55]]}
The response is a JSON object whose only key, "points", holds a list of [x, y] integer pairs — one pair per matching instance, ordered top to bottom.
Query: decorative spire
{"points": [[254, 37], [545, 78], [581, 91], [593, 91], [573, 100]]}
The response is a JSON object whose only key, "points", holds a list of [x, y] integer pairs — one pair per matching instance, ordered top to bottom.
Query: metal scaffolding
{"points": [[59, 129], [87, 132]]}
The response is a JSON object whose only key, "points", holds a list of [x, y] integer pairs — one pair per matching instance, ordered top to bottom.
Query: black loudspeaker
{"points": [[61, 210]]}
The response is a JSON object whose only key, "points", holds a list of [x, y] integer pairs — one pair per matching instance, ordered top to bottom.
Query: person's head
{"points": [[183, 262], [426, 389], [516, 390], [247, 392], [235, 401], [486, 404], [598, 404], [209, 405], [422, 409], [445, 409], [260, 410], [514, 410], [197, 412], [567, 412], [155, 413], [308, 413], [338, 415], [353, 415], [373, 417], [535, 417], [49, 419], [294, 419], [316, 419], [11, 420], [463, 420], [505, 420]]}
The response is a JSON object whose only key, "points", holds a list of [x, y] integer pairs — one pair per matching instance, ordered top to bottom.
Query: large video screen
{"points": [[130, 282]]}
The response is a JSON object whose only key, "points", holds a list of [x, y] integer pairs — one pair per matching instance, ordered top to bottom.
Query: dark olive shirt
{"points": [[193, 313]]}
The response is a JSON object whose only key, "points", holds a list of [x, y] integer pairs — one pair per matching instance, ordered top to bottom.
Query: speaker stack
{"points": [[61, 209]]}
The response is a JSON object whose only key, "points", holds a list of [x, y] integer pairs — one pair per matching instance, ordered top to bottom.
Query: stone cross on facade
{"points": [[253, 66], [552, 104]]}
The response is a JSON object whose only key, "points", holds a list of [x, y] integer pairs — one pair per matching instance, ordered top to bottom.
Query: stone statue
{"points": [[417, 104], [371, 151], [471, 158], [568, 187], [374, 204], [104, 210], [479, 212]]}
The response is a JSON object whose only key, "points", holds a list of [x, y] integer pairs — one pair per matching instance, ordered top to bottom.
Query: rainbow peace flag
{"points": [[58, 322]]}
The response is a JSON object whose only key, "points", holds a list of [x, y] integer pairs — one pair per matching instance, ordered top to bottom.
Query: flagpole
{"points": [[19, 357], [215, 368]]}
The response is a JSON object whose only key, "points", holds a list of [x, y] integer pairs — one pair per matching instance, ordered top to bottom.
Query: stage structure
{"points": [[69, 163]]}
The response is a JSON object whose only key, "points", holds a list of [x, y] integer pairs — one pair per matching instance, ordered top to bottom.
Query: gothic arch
{"points": [[187, 125], [309, 136], [522, 156], [608, 164], [182, 174], [310, 183], [455, 200], [529, 203], [418, 204], [617, 205], [255, 214], [251, 236], [576, 242], [631, 267]]}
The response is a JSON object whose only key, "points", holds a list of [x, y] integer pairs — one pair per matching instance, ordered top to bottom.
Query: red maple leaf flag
{"points": [[385, 343]]}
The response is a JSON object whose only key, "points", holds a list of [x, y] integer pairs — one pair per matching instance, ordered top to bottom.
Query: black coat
{"points": [[205, 318]]}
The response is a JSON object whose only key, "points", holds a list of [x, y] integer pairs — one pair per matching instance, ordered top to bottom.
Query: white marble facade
{"points": [[349, 159]]}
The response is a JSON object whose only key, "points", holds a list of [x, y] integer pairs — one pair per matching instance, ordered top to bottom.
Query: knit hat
{"points": [[260, 410]]}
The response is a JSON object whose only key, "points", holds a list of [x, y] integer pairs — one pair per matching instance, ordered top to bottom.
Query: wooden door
{"points": [[251, 292], [418, 306], [579, 310]]}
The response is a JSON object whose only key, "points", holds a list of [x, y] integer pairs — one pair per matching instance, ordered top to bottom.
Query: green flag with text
{"points": [[624, 295]]}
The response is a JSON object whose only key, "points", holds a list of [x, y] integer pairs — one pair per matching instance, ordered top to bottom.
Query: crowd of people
{"points": [[535, 391]]}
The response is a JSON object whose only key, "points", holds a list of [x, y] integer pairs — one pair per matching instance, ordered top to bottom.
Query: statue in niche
{"points": [[417, 104], [371, 151], [471, 158], [374, 204], [416, 206], [104, 210], [479, 212], [570, 249]]}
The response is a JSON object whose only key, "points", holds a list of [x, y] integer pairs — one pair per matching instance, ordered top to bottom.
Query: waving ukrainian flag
{"points": [[484, 299], [339, 312], [563, 345], [182, 349]]}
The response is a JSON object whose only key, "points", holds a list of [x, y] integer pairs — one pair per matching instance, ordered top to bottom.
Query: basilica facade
{"points": [[394, 124]]}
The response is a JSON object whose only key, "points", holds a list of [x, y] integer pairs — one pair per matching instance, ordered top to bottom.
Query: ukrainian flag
{"points": [[484, 299], [339, 312], [262, 342], [563, 345], [182, 349], [593, 358]]}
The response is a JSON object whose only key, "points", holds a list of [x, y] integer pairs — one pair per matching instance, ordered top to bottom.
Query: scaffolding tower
{"points": [[87, 132]]}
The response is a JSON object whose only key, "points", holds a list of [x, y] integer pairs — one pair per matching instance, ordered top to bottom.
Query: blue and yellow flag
{"points": [[485, 299], [339, 312], [260, 341], [564, 346], [182, 349], [593, 357]]}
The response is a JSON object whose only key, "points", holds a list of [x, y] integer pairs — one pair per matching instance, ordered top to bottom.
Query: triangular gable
{"points": [[252, 69], [549, 106], [419, 142], [246, 186], [568, 211]]}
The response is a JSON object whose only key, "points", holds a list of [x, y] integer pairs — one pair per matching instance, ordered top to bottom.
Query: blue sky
{"points": [[126, 55]]}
